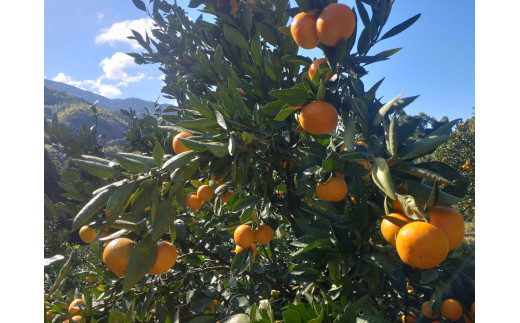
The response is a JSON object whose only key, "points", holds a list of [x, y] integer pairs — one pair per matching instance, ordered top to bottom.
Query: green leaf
{"points": [[139, 4], [363, 13], [401, 27], [268, 32], [235, 37], [364, 40], [256, 50], [390, 52], [297, 59], [294, 96], [198, 106], [273, 108], [383, 110], [284, 113], [221, 120], [196, 124], [349, 133], [391, 138], [231, 145], [423, 147], [219, 149], [158, 154], [179, 160], [149, 161], [132, 165], [97, 169], [424, 174], [382, 177], [423, 190], [119, 199], [245, 202], [91, 208], [162, 219], [142, 260], [241, 261], [429, 276], [291, 316]]}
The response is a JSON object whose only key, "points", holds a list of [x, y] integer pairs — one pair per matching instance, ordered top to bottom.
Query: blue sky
{"points": [[85, 42]]}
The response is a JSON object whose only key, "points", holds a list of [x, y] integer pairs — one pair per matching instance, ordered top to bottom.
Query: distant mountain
{"points": [[109, 104], [73, 112]]}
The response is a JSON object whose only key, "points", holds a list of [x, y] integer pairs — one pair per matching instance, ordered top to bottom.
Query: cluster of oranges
{"points": [[335, 22], [204, 192], [245, 237], [421, 244], [117, 252], [75, 308], [450, 309]]}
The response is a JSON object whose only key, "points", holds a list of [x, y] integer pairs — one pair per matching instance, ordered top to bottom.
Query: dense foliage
{"points": [[240, 86]]}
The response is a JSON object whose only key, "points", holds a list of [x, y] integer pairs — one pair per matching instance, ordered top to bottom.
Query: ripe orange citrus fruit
{"points": [[234, 6], [336, 21], [303, 30], [315, 66], [318, 117], [178, 146], [333, 190], [205, 193], [225, 197], [193, 202], [396, 205], [451, 222], [391, 225], [87, 234], [263, 234], [244, 236], [421, 245], [253, 246], [116, 255], [166, 258], [74, 307], [425, 309], [451, 309], [77, 318], [410, 318]]}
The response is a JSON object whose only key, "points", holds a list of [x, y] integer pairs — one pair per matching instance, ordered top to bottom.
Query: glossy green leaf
{"points": [[401, 27], [235, 37], [383, 110], [423, 147], [158, 154], [179, 160], [132, 165], [97, 169], [382, 177], [91, 208], [164, 217], [142, 260], [241, 261]]}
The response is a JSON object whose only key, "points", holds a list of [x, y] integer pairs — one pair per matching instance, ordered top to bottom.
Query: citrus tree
{"points": [[293, 192]]}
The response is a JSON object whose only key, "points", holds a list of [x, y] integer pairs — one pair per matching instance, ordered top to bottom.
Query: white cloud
{"points": [[99, 17], [119, 32], [114, 69], [113, 78], [67, 79], [109, 91]]}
